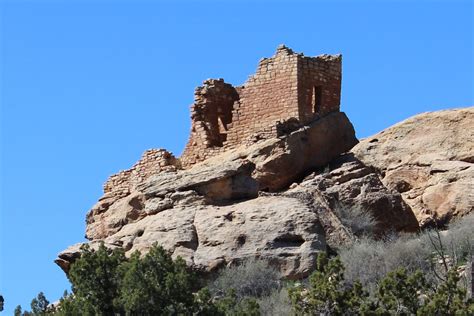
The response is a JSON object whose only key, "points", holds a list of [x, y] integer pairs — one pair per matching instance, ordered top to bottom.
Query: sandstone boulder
{"points": [[290, 158], [429, 160]]}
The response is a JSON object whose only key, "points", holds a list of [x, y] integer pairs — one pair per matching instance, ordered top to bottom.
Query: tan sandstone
{"points": [[429, 159]]}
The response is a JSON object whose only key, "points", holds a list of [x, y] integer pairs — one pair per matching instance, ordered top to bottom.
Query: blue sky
{"points": [[87, 86]]}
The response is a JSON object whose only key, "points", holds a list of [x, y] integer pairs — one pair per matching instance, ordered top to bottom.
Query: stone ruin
{"points": [[287, 91], [151, 162]]}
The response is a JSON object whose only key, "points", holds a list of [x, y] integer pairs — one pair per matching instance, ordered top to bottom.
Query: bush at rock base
{"points": [[368, 260], [405, 275], [252, 278], [399, 293]]}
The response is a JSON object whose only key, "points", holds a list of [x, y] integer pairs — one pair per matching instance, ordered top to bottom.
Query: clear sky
{"points": [[87, 86]]}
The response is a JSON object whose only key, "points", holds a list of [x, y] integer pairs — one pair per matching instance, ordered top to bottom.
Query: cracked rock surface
{"points": [[429, 160]]}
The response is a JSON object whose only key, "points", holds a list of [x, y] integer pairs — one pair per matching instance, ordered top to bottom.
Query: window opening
{"points": [[316, 100]]}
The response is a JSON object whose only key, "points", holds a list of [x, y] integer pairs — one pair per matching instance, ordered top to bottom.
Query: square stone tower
{"points": [[286, 87]]}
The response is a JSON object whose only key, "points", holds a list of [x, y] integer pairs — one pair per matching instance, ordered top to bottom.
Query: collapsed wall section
{"points": [[287, 91], [211, 117], [151, 162]]}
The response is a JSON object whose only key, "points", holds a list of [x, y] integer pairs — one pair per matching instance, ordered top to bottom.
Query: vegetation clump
{"points": [[424, 274], [105, 282], [399, 293]]}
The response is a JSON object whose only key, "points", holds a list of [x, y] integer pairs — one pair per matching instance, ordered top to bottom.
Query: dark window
{"points": [[316, 99]]}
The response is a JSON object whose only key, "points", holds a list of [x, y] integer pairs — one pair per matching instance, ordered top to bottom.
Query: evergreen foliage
{"points": [[95, 280], [104, 282], [427, 282], [156, 285], [398, 293], [327, 294], [39, 305], [17, 311]]}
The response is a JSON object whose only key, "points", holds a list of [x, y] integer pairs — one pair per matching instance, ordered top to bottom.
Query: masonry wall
{"points": [[319, 75], [288, 89], [267, 97], [211, 118], [152, 161]]}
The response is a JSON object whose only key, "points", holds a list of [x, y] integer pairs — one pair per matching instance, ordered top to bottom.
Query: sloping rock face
{"points": [[429, 160], [272, 200], [282, 230]]}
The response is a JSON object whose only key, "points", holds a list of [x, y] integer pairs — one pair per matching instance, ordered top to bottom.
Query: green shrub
{"points": [[95, 278], [104, 282], [156, 285], [326, 293], [399, 293]]}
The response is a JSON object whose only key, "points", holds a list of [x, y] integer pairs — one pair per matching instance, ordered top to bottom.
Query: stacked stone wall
{"points": [[321, 74], [286, 86], [287, 91], [267, 97], [211, 116], [151, 162]]}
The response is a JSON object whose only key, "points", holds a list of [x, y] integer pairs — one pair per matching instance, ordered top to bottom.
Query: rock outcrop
{"points": [[429, 160], [269, 173], [347, 185], [279, 198], [217, 212]]}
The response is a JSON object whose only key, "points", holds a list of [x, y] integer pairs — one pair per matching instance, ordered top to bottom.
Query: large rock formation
{"points": [[429, 160], [267, 173], [278, 199], [271, 200], [217, 212]]}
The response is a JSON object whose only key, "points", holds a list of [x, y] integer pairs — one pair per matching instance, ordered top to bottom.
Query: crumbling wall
{"points": [[286, 87], [287, 91], [211, 116], [151, 162]]}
